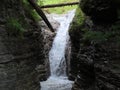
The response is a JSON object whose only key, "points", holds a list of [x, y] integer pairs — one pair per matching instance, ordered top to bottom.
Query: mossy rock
{"points": [[78, 20], [75, 26], [14, 28], [98, 37]]}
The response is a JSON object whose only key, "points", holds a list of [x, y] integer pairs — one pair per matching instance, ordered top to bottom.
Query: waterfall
{"points": [[58, 79]]}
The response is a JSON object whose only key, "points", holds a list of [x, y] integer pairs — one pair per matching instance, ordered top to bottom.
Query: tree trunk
{"points": [[60, 5], [41, 13]]}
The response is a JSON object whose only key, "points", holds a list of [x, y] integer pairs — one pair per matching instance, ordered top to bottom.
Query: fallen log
{"points": [[60, 5], [41, 13]]}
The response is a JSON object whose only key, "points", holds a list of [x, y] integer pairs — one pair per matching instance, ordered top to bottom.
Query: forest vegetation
{"points": [[58, 10]]}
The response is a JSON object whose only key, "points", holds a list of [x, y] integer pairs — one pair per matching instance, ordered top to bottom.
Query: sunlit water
{"points": [[58, 79]]}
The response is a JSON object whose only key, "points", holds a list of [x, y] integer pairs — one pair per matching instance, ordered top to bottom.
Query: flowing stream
{"points": [[58, 79]]}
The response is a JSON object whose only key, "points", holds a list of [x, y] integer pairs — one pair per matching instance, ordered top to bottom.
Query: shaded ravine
{"points": [[58, 79]]}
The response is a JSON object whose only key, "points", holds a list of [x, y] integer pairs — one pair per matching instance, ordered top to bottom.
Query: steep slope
{"points": [[95, 46], [22, 58]]}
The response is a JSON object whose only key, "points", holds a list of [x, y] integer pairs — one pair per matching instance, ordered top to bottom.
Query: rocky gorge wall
{"points": [[95, 47], [22, 55]]}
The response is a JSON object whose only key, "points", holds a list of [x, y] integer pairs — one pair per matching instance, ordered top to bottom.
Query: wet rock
{"points": [[53, 22], [48, 37], [75, 39], [20, 55], [67, 57], [18, 60], [95, 63]]}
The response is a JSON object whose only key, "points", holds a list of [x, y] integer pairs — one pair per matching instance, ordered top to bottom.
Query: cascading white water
{"points": [[58, 79]]}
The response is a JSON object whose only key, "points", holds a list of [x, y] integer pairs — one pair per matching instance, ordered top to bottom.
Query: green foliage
{"points": [[40, 2], [59, 10], [30, 11], [35, 15], [79, 17], [77, 21], [116, 26], [14, 27], [116, 32], [94, 36], [99, 37]]}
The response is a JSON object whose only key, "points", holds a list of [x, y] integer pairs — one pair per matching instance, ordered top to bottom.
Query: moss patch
{"points": [[30, 11], [78, 20], [14, 27], [78, 30], [112, 35], [94, 36]]}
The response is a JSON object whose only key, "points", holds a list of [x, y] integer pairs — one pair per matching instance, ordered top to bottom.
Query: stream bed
{"points": [[58, 79]]}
